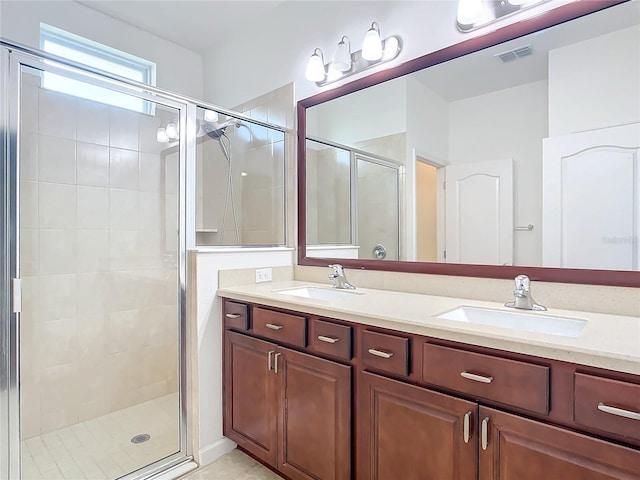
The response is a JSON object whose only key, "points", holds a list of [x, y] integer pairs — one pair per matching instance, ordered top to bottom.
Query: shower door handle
{"points": [[16, 295]]}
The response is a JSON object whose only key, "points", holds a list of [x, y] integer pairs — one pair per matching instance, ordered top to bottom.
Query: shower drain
{"points": [[143, 437]]}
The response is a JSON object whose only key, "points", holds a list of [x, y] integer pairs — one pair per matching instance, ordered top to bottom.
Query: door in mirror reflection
{"points": [[591, 203]]}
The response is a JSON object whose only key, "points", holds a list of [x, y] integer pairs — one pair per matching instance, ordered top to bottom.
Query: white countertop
{"points": [[607, 341]]}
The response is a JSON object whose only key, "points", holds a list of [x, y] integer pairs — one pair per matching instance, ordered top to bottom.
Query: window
{"points": [[93, 54]]}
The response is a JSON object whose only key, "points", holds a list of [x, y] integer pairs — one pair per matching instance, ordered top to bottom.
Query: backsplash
{"points": [[589, 298]]}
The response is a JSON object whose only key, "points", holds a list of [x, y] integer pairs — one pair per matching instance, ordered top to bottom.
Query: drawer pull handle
{"points": [[232, 315], [274, 327], [324, 339], [380, 353], [269, 355], [276, 359], [476, 378], [620, 412], [465, 429], [484, 441]]}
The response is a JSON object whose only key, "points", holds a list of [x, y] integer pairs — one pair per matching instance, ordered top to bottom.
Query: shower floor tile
{"points": [[101, 448], [235, 465]]}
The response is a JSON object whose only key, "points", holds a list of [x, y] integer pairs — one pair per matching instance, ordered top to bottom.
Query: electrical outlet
{"points": [[263, 275]]}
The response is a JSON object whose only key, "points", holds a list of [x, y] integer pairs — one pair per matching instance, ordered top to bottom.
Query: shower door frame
{"points": [[12, 60]]}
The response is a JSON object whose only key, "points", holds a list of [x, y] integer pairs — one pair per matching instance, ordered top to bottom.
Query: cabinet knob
{"points": [[324, 339], [380, 353], [269, 355], [276, 362], [476, 378], [620, 412], [466, 430], [484, 441]]}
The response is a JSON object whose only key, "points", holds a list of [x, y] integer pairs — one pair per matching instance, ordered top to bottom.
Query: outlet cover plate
{"points": [[263, 275]]}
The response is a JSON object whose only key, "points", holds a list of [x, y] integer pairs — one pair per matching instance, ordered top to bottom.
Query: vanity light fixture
{"points": [[474, 14], [372, 44], [342, 58], [345, 63], [315, 67], [210, 116], [172, 131], [168, 133], [161, 135]]}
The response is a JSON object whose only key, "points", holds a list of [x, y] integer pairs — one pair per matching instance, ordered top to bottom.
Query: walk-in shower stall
{"points": [[102, 193], [93, 276]]}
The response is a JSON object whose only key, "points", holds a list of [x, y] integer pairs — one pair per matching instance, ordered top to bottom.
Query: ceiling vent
{"points": [[515, 54]]}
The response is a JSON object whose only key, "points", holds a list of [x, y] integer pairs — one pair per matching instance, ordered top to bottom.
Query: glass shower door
{"points": [[100, 262]]}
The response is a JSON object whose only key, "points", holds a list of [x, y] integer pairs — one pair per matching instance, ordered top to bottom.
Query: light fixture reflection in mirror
{"points": [[474, 14], [602, 97]]}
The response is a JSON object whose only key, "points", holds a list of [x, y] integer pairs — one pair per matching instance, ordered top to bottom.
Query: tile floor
{"points": [[101, 448], [235, 465]]}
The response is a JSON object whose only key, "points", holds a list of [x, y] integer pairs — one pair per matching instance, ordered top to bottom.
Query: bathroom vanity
{"points": [[375, 384]]}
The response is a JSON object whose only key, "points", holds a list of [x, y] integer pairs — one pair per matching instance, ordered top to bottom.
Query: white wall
{"points": [[424, 26], [178, 69], [577, 99], [375, 112], [509, 123], [212, 444]]}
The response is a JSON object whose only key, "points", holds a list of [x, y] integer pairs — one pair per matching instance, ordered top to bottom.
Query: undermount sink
{"points": [[318, 293], [518, 320]]}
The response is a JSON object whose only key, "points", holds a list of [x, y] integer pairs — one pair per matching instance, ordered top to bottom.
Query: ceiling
{"points": [[195, 24]]}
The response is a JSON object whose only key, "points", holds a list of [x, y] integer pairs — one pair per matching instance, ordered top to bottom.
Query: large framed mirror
{"points": [[515, 152]]}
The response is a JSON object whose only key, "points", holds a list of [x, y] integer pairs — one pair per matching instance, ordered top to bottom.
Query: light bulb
{"points": [[468, 11], [372, 44], [391, 48], [342, 57], [315, 67], [210, 116], [172, 131], [161, 135]]}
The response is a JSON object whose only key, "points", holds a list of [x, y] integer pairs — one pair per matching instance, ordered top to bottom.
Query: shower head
{"points": [[216, 130]]}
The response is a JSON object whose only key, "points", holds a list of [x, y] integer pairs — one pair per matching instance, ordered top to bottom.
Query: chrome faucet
{"points": [[339, 279], [522, 294]]}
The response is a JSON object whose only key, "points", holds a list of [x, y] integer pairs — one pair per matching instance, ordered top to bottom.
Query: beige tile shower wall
{"points": [[268, 185], [311, 192], [334, 193], [378, 208], [99, 329]]}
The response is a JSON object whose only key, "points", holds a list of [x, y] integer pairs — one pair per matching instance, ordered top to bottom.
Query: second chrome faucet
{"points": [[339, 279], [522, 296]]}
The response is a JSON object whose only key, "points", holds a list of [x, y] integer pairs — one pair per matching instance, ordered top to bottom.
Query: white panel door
{"points": [[479, 212], [582, 227]]}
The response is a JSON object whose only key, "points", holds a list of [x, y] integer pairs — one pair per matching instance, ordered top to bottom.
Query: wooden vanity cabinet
{"points": [[287, 408], [421, 408], [409, 432], [517, 448]]}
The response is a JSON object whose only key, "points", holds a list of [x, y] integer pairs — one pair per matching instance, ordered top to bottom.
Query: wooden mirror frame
{"points": [[559, 15]]}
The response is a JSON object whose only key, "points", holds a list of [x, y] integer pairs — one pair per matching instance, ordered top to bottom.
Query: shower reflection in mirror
{"points": [[352, 201]]}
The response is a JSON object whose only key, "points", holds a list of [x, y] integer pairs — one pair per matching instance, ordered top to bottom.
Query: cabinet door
{"points": [[250, 396], [315, 417], [411, 433], [522, 449]]}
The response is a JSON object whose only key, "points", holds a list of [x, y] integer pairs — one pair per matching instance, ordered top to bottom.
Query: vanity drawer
{"points": [[236, 315], [286, 328], [330, 338], [388, 353], [518, 384], [608, 405]]}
